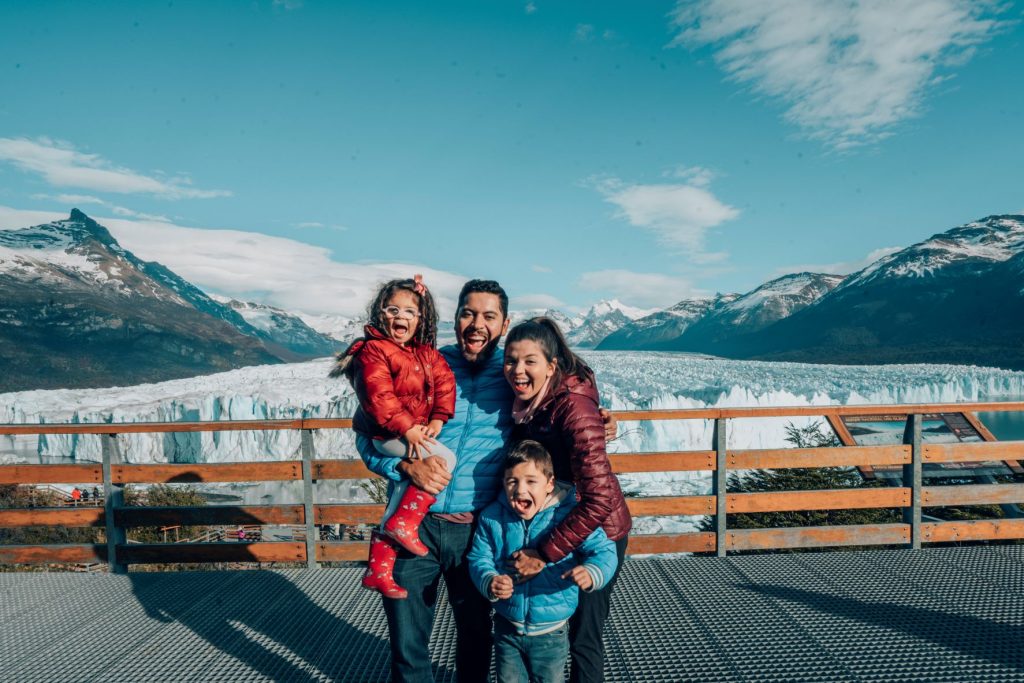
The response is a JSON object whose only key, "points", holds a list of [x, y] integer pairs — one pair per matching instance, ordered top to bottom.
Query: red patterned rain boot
{"points": [[404, 525], [378, 576]]}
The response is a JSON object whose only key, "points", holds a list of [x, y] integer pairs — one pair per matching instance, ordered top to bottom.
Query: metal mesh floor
{"points": [[953, 614]]}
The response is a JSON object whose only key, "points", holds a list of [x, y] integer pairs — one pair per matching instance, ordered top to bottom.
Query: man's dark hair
{"points": [[484, 287], [530, 451]]}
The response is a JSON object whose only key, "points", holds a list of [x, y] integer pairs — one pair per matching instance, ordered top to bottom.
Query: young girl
{"points": [[406, 393], [557, 404]]}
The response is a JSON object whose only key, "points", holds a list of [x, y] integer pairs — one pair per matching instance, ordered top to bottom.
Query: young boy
{"points": [[531, 618]]}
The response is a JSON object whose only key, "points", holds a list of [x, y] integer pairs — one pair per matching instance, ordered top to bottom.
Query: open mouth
{"points": [[399, 328], [475, 343], [521, 386], [522, 506]]}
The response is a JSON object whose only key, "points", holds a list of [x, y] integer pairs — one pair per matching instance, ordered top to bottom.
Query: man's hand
{"points": [[611, 425], [418, 441], [430, 474], [526, 564], [580, 576], [502, 587]]}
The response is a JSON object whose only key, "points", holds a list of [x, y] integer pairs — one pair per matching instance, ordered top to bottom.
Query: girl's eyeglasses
{"points": [[396, 312]]}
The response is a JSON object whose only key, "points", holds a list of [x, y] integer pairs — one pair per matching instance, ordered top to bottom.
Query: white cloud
{"points": [[531, 8], [584, 32], [847, 70], [63, 166], [70, 199], [678, 214], [308, 225], [254, 267], [839, 268], [540, 269], [647, 290], [530, 301]]}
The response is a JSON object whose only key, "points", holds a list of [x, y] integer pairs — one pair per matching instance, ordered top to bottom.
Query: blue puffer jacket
{"points": [[476, 435], [545, 601]]}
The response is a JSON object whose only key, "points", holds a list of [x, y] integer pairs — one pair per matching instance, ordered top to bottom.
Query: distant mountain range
{"points": [[957, 297], [78, 310]]}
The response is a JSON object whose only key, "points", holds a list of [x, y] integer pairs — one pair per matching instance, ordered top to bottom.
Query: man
{"points": [[477, 435]]}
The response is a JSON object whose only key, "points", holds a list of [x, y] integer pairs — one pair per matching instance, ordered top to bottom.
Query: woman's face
{"points": [[527, 368]]}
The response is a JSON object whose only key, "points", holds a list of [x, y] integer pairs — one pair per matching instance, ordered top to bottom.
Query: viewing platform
{"points": [[914, 608], [941, 614]]}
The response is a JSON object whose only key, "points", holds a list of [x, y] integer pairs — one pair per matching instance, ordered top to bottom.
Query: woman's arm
{"points": [[582, 431]]}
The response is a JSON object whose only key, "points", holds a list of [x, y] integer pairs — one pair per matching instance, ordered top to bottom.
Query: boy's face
{"points": [[527, 488]]}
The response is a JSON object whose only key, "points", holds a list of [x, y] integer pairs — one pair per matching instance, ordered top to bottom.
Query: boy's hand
{"points": [[611, 425], [434, 428], [418, 440], [580, 576], [502, 587]]}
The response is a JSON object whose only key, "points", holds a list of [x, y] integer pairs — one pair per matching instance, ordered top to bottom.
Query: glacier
{"points": [[628, 380]]}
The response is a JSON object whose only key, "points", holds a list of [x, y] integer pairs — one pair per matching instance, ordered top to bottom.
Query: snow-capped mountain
{"points": [[956, 297], [76, 309], [337, 327], [655, 329], [586, 330], [287, 335]]}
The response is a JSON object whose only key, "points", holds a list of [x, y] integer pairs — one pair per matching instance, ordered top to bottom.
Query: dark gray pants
{"points": [[586, 646]]}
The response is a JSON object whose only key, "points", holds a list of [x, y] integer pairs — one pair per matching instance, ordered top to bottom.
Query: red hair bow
{"points": [[419, 287]]}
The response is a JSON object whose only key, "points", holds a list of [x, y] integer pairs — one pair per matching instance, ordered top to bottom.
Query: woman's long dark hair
{"points": [[426, 329], [546, 333]]}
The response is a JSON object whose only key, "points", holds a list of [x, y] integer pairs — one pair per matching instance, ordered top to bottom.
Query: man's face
{"points": [[479, 325]]}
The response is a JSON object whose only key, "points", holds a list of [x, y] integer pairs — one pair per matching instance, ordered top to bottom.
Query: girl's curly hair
{"points": [[426, 329]]}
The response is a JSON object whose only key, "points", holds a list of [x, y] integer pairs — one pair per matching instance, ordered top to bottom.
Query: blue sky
{"points": [[299, 152]]}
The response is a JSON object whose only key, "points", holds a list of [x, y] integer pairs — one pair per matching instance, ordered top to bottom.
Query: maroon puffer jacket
{"points": [[399, 386], [569, 425]]}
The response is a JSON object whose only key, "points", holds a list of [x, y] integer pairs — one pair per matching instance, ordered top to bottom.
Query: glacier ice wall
{"points": [[628, 381]]}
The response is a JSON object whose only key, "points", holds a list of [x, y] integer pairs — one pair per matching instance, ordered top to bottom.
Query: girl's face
{"points": [[402, 316], [527, 368]]}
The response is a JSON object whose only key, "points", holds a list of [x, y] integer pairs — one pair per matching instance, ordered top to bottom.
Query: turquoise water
{"points": [[1008, 426]]}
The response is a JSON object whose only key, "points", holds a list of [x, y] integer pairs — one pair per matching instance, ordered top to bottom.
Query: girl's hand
{"points": [[434, 427], [418, 440], [526, 564], [580, 576], [502, 587]]}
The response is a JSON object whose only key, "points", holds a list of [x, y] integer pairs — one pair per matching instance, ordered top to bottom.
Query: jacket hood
{"points": [[583, 384]]}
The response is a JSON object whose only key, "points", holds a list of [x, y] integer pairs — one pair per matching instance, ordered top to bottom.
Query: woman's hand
{"points": [[611, 425], [434, 428], [418, 440], [526, 564], [580, 576], [502, 587]]}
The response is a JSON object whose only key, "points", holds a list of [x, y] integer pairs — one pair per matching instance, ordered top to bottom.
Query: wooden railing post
{"points": [[912, 479], [719, 486], [113, 498], [307, 498]]}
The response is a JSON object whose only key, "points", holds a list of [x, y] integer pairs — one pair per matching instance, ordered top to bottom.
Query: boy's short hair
{"points": [[530, 451]]}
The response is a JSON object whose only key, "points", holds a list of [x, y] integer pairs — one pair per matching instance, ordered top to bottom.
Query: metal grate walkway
{"points": [[951, 614]]}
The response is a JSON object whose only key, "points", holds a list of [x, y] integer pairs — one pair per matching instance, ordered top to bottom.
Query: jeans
{"points": [[410, 620], [586, 627], [539, 659]]}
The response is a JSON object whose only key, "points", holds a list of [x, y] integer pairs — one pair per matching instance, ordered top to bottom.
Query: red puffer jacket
{"points": [[399, 386], [569, 425]]}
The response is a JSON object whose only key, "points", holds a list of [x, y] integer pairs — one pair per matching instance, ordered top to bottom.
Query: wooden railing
{"points": [[114, 517]]}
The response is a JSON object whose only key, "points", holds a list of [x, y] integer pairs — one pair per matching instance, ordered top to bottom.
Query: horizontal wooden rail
{"points": [[816, 411], [973, 452], [849, 456], [675, 461], [341, 469], [51, 474], [181, 474], [977, 494], [832, 499], [671, 505], [348, 513], [210, 514], [62, 517], [973, 530], [818, 537], [697, 542], [227, 551], [341, 552], [46, 554]]}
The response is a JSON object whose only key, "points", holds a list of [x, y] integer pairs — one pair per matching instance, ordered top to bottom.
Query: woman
{"points": [[557, 404]]}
